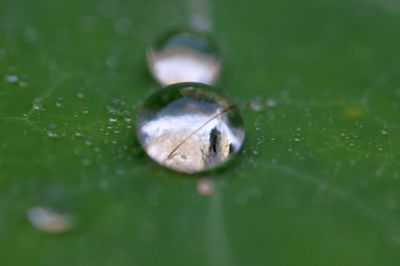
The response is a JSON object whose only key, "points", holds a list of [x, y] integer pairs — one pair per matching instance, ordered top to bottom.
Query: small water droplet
{"points": [[123, 25], [31, 35], [182, 56], [111, 61], [11, 78], [22, 83], [80, 95], [37, 103], [270, 103], [256, 106], [189, 128], [384, 132], [78, 133], [52, 134], [86, 162], [205, 187], [49, 221]]}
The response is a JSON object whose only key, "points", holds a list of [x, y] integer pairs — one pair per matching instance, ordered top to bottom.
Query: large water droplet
{"points": [[184, 56], [189, 128]]}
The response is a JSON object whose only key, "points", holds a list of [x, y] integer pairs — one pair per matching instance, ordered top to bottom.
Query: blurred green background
{"points": [[317, 182]]}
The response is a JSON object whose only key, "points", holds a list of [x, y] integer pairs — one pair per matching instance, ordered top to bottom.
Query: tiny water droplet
{"points": [[123, 25], [184, 56], [111, 61], [11, 78], [22, 83], [80, 95], [37, 103], [270, 103], [256, 106], [189, 128], [78, 133], [52, 134], [86, 162], [205, 187], [49, 221]]}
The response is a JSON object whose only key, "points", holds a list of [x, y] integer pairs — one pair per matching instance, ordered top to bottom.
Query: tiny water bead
{"points": [[184, 56], [189, 128], [48, 220]]}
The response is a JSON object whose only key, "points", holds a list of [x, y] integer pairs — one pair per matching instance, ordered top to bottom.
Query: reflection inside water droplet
{"points": [[184, 56], [189, 128]]}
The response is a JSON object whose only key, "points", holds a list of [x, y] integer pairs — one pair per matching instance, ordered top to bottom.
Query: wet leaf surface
{"points": [[317, 182]]}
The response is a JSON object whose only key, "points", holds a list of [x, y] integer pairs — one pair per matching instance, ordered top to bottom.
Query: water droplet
{"points": [[123, 25], [31, 35], [183, 56], [111, 61], [12, 78], [22, 83], [80, 95], [37, 103], [59, 103], [270, 103], [256, 106], [189, 128], [384, 132], [78, 133], [52, 134], [86, 162], [205, 187], [48, 220]]}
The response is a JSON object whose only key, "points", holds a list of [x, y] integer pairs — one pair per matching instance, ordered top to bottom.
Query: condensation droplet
{"points": [[184, 56], [12, 78], [80, 95], [37, 103], [270, 103], [255, 105], [189, 128], [52, 134], [205, 186], [48, 220]]}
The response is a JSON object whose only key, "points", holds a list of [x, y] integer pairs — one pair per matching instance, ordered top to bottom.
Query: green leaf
{"points": [[317, 182]]}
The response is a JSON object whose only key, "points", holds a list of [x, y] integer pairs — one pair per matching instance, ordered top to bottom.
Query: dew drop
{"points": [[182, 56], [11, 78], [80, 95], [37, 103], [270, 103], [59, 104], [256, 106], [189, 128], [52, 133], [86, 162], [205, 187], [49, 221]]}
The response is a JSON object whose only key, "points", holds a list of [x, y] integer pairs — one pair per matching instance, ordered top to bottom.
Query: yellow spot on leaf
{"points": [[353, 112]]}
